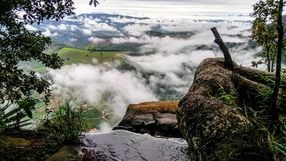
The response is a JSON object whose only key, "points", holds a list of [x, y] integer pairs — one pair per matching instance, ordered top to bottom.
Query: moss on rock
{"points": [[214, 129], [8, 140], [29, 145], [66, 153]]}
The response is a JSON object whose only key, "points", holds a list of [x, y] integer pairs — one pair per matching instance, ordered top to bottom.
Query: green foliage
{"points": [[264, 30], [268, 31], [17, 45], [106, 47], [73, 55], [126, 66], [283, 74], [265, 95], [224, 96], [14, 116], [93, 117], [259, 117], [69, 121], [277, 142]]}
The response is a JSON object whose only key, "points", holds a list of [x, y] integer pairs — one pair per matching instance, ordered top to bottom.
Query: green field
{"points": [[73, 55]]}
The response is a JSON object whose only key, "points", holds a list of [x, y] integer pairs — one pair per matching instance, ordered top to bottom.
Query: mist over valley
{"points": [[113, 60]]}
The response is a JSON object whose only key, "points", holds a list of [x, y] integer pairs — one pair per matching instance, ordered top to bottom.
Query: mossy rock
{"points": [[217, 130], [8, 140], [29, 145], [66, 153]]}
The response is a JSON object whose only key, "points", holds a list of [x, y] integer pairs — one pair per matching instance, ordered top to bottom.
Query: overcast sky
{"points": [[166, 7]]}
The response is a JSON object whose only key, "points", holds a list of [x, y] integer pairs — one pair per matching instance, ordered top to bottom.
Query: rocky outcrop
{"points": [[214, 114], [154, 118], [128, 146]]}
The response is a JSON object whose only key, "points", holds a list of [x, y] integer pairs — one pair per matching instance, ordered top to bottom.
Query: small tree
{"points": [[268, 31], [280, 31], [265, 35]]}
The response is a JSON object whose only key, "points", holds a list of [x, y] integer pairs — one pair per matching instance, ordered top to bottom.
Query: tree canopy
{"points": [[264, 30], [17, 44]]}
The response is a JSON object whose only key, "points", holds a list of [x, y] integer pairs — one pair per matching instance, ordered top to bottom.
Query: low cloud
{"points": [[31, 28], [137, 29], [86, 32], [49, 33], [95, 40], [164, 66], [95, 84]]}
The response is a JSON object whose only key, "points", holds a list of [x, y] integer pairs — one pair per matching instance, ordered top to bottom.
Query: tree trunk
{"points": [[280, 28], [227, 57], [268, 60], [272, 64]]}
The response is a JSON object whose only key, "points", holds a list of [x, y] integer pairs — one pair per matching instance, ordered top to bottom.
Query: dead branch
{"points": [[227, 57]]}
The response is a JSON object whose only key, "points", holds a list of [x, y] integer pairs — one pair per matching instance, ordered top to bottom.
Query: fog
{"points": [[164, 66], [99, 84]]}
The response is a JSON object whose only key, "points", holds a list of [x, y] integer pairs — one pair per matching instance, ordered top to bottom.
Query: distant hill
{"points": [[95, 29]]}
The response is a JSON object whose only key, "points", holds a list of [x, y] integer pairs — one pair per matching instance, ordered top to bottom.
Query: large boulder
{"points": [[210, 116], [154, 118]]}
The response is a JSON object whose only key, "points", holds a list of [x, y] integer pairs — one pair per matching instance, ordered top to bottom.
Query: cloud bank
{"points": [[164, 66]]}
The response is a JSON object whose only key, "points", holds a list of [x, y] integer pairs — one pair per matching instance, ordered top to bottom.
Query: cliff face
{"points": [[154, 118], [211, 119]]}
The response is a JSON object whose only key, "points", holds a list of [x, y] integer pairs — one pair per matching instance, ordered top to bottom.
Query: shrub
{"points": [[69, 121]]}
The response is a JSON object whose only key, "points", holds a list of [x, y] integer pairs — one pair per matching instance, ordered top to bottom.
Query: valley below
{"points": [[111, 61]]}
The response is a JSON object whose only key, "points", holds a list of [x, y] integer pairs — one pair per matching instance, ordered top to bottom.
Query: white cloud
{"points": [[92, 25], [52, 27], [62, 27], [74, 27], [31, 28], [136, 29], [86, 32], [49, 33], [73, 39], [95, 40], [162, 64], [96, 83]]}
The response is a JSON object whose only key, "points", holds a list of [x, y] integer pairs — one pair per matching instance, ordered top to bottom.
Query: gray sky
{"points": [[166, 7]]}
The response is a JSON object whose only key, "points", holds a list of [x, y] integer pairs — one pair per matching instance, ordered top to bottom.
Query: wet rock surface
{"points": [[154, 118], [121, 145]]}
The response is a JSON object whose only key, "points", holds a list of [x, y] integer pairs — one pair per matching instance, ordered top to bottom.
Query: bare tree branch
{"points": [[227, 57]]}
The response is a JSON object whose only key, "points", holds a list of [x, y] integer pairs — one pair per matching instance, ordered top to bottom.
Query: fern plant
{"points": [[15, 115]]}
